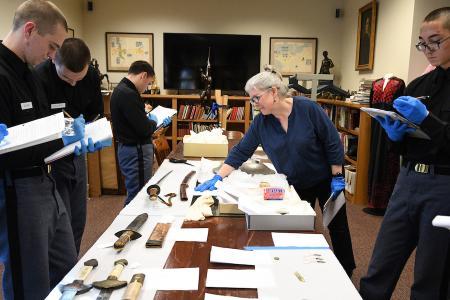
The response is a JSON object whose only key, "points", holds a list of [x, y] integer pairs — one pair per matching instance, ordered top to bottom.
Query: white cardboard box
{"points": [[204, 150], [280, 222]]}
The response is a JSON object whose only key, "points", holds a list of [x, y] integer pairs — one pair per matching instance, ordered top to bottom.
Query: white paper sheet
{"points": [[162, 112], [98, 131], [33, 133], [331, 208], [442, 221], [189, 235], [299, 240], [239, 257], [178, 279], [245, 279]]}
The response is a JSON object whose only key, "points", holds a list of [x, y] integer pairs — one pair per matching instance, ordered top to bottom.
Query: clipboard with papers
{"points": [[374, 112], [33, 133]]}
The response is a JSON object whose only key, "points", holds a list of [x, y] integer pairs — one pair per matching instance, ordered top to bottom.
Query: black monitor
{"points": [[233, 58]]}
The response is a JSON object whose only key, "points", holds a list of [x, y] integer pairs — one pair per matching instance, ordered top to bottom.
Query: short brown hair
{"points": [[443, 12], [44, 14], [74, 54], [140, 66]]}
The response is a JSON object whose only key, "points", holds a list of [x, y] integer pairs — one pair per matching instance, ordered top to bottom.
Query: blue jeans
{"points": [[135, 163], [4, 248]]}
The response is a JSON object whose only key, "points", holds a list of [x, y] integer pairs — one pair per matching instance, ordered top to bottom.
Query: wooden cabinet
{"points": [[194, 113], [354, 128]]}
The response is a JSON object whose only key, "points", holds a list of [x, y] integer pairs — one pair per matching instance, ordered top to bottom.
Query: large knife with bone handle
{"points": [[131, 232]]}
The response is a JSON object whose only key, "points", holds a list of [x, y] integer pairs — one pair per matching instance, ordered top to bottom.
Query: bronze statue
{"points": [[94, 64], [327, 64], [206, 78]]}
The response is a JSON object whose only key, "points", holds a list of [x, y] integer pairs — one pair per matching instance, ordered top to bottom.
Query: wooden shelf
{"points": [[174, 101], [197, 120], [349, 131], [361, 164]]}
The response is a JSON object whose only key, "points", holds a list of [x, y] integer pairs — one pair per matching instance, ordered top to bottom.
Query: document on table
{"points": [[162, 112], [374, 112], [99, 131], [33, 133], [331, 208], [189, 235], [309, 240], [239, 257], [179, 279], [244, 279]]}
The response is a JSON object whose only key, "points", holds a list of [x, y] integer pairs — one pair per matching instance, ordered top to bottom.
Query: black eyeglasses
{"points": [[432, 46], [255, 99]]}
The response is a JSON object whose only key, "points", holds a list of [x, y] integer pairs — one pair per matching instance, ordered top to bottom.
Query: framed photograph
{"points": [[70, 33], [365, 44], [124, 48], [293, 55]]}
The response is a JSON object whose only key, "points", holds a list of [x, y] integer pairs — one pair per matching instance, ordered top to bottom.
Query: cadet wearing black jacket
{"points": [[71, 84], [132, 128], [423, 185], [37, 244]]}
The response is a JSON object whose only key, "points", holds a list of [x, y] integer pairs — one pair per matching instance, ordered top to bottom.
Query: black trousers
{"points": [[417, 198], [338, 228]]}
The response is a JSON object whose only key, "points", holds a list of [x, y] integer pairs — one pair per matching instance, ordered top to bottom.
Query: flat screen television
{"points": [[233, 58]]}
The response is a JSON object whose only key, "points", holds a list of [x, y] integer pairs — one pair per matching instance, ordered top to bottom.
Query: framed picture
{"points": [[70, 33], [365, 44], [124, 48], [293, 55]]}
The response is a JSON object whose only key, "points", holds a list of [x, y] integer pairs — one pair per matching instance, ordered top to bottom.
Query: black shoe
{"points": [[374, 211]]}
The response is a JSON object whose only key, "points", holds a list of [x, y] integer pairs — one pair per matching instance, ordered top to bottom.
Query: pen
{"points": [[423, 97], [67, 114], [96, 118]]}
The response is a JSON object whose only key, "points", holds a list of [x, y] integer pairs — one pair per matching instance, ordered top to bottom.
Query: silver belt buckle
{"points": [[422, 168], [49, 169]]}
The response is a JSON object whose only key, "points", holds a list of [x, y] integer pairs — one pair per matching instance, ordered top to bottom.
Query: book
{"points": [[374, 112], [98, 131], [33, 133]]}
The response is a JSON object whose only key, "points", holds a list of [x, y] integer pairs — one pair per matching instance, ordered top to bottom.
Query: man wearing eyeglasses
{"points": [[422, 190]]}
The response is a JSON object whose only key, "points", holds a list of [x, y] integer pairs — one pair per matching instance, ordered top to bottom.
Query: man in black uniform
{"points": [[71, 84], [132, 128], [422, 190], [39, 238]]}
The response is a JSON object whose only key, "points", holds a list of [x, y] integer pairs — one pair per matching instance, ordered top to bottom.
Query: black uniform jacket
{"points": [[435, 84], [83, 98], [22, 100], [130, 123]]}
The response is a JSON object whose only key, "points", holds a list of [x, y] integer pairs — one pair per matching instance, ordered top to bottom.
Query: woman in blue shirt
{"points": [[302, 143]]}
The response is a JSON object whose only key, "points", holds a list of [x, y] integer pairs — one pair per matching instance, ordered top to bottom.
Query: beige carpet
{"points": [[363, 227]]}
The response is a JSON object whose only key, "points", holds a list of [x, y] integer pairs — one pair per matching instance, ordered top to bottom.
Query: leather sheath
{"points": [[184, 185], [158, 235]]}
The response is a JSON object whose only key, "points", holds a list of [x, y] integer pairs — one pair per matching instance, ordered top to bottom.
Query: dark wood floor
{"points": [[363, 227]]}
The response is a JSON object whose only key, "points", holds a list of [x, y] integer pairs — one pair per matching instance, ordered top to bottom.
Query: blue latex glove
{"points": [[411, 108], [152, 117], [166, 122], [78, 128], [395, 130], [3, 131], [91, 146], [208, 185], [337, 186]]}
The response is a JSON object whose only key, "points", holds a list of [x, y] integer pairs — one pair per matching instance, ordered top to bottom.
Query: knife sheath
{"points": [[184, 185], [158, 235]]}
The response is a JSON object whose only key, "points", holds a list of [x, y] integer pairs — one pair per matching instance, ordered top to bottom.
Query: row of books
{"points": [[363, 94], [196, 112], [235, 113], [347, 118], [185, 128], [350, 143], [350, 178]]}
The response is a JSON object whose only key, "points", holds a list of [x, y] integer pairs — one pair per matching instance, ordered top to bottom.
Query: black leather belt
{"points": [[427, 168], [30, 172]]}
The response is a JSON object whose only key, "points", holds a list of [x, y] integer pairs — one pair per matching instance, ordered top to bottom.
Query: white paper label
{"points": [[26, 105], [58, 105]]}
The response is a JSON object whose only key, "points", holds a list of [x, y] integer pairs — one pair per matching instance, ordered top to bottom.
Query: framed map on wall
{"points": [[124, 48], [293, 55]]}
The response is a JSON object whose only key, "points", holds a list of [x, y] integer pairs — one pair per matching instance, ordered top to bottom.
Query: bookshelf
{"points": [[192, 113], [353, 126]]}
